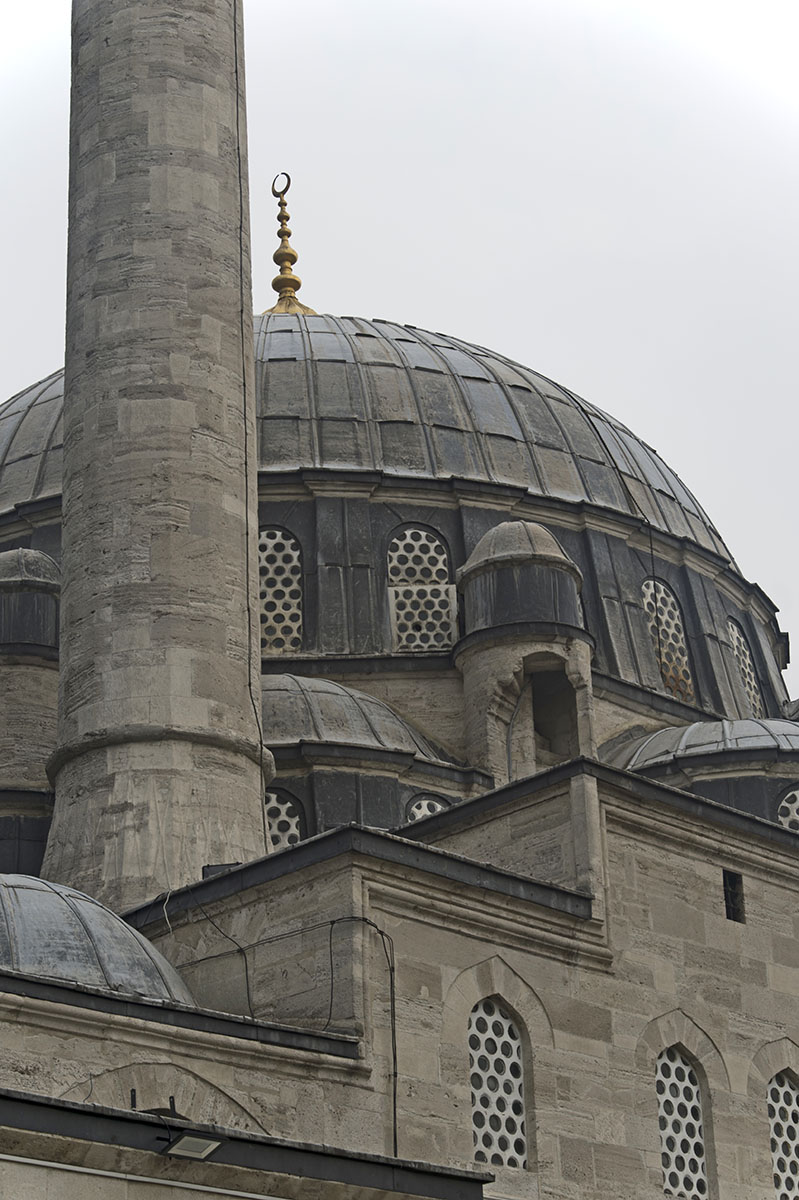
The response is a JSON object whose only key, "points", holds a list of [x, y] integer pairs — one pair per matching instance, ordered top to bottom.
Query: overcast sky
{"points": [[604, 190]]}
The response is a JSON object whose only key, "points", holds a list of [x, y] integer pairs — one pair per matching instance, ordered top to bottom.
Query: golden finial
{"points": [[286, 284]]}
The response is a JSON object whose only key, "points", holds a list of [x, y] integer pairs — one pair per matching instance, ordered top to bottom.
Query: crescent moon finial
{"points": [[286, 284]]}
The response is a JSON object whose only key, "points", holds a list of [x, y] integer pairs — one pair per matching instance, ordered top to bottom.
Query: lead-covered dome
{"points": [[347, 394], [298, 709], [709, 742], [56, 934]]}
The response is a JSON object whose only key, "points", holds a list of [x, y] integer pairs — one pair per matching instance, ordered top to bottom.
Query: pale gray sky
{"points": [[605, 190]]}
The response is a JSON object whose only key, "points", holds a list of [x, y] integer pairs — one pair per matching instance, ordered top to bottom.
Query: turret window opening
{"points": [[280, 579], [422, 598], [668, 637], [746, 668], [495, 1066], [783, 1116], [682, 1137]]}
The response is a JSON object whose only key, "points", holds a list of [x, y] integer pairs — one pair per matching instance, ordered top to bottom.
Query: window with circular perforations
{"points": [[280, 578], [422, 598], [668, 637], [746, 668], [424, 805], [788, 811], [284, 820], [495, 1066], [783, 1116], [682, 1138]]}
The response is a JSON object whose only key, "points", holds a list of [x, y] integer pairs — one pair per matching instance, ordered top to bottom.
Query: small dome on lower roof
{"points": [[300, 709], [707, 739], [53, 933]]}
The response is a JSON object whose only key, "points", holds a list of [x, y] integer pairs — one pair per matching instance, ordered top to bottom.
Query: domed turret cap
{"points": [[516, 542], [30, 569], [54, 933]]}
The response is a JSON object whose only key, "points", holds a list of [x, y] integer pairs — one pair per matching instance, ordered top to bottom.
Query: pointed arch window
{"points": [[280, 580], [422, 600], [667, 630], [746, 668], [495, 1066], [783, 1117], [682, 1136]]}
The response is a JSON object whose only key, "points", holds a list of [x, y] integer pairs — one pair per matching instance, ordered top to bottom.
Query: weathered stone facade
{"points": [[527, 925]]}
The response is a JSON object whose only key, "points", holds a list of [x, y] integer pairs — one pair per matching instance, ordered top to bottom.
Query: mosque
{"points": [[399, 795]]}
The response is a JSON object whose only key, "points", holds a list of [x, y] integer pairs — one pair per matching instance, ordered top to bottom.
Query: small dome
{"points": [[515, 542], [29, 568], [316, 710], [705, 739], [56, 934]]}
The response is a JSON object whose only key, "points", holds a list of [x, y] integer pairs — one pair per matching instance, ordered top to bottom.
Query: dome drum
{"points": [[527, 593]]}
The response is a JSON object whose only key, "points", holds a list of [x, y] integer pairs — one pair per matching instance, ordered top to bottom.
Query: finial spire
{"points": [[286, 284]]}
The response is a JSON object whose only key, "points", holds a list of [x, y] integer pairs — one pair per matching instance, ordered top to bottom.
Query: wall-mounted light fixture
{"points": [[192, 1145]]}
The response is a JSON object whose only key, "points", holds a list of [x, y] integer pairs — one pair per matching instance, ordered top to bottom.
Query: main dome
{"points": [[347, 394]]}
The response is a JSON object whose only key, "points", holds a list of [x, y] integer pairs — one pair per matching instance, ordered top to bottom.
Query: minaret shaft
{"points": [[158, 766]]}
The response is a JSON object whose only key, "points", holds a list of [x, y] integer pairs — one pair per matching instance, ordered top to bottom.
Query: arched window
{"points": [[280, 578], [421, 594], [668, 637], [746, 668], [424, 805], [285, 821], [495, 1066], [783, 1117], [682, 1138]]}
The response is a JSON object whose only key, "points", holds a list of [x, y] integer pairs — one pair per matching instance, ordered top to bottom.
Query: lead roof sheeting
{"points": [[441, 383]]}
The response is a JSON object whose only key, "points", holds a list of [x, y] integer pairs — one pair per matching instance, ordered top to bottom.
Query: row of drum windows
{"points": [[423, 604], [424, 615], [286, 824], [498, 1110]]}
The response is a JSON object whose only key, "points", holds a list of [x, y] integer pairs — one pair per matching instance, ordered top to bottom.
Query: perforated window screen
{"points": [[280, 577], [422, 599], [668, 636], [746, 668], [424, 805], [788, 811], [284, 821], [495, 1064], [783, 1115], [682, 1138]]}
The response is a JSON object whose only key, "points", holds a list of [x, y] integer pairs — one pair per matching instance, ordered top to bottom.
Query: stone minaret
{"points": [[158, 769]]}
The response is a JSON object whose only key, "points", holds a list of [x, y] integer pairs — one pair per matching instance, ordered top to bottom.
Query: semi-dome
{"points": [[343, 393], [299, 709], [706, 741], [56, 934]]}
